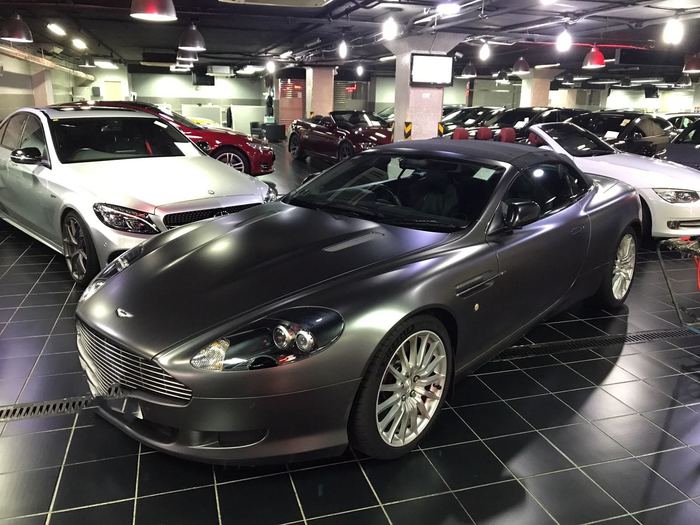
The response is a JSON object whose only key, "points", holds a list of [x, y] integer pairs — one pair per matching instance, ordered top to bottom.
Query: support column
{"points": [[41, 86], [535, 88], [319, 90], [696, 97], [422, 106]]}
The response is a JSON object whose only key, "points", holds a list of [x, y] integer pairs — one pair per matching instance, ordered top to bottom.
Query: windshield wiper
{"points": [[344, 209]]}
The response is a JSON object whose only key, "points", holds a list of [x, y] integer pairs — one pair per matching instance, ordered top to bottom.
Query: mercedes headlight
{"points": [[271, 194], [678, 196], [125, 219], [278, 340]]}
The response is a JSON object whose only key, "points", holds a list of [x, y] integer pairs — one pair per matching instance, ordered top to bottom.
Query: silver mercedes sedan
{"points": [[93, 183]]}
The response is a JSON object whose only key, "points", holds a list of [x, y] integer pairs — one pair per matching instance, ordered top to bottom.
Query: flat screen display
{"points": [[431, 70]]}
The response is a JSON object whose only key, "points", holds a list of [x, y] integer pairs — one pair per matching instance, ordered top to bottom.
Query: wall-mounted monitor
{"points": [[431, 70]]}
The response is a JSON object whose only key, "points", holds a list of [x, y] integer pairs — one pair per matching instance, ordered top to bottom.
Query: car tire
{"points": [[295, 147], [345, 151], [233, 157], [78, 249], [619, 273], [372, 428]]}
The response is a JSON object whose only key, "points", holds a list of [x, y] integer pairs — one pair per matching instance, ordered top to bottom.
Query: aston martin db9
{"points": [[344, 312]]}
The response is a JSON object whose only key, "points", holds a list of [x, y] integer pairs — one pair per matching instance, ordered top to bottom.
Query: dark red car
{"points": [[338, 136], [238, 150]]}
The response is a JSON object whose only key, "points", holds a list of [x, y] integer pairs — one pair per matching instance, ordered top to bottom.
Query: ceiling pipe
{"points": [[43, 62]]}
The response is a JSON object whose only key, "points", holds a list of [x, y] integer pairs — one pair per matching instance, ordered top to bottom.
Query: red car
{"points": [[338, 136], [240, 151]]}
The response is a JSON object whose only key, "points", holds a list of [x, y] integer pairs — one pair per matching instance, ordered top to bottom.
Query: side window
{"points": [[551, 116], [648, 128], [13, 131], [33, 136], [552, 186]]}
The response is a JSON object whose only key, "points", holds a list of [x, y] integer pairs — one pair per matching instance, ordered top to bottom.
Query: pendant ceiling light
{"points": [[153, 10], [16, 30], [192, 40], [186, 56], [594, 59], [87, 62], [692, 65], [521, 67], [469, 71], [502, 77], [684, 81]]}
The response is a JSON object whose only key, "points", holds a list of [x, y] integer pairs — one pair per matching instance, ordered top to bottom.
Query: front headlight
{"points": [[259, 146], [271, 194], [677, 196], [125, 219], [119, 264], [91, 290], [292, 335]]}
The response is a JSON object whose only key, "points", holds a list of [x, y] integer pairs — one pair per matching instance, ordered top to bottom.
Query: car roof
{"points": [[72, 112], [518, 155]]}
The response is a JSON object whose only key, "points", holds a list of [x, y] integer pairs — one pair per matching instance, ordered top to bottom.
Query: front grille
{"points": [[180, 219], [112, 366]]}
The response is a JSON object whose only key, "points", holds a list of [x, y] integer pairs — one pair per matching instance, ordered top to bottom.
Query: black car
{"points": [[469, 117], [522, 118], [680, 121], [629, 131], [685, 148], [343, 312]]}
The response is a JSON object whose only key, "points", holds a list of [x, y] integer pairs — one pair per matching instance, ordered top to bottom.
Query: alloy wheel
{"points": [[294, 146], [232, 159], [75, 248], [623, 269], [411, 388]]}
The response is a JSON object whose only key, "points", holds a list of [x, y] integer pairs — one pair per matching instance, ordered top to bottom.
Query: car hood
{"points": [[375, 133], [641, 172], [149, 183], [220, 273]]}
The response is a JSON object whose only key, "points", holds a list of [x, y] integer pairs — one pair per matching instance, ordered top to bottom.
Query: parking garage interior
{"points": [[590, 415]]}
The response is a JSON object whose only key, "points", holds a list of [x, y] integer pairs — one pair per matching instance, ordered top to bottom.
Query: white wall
{"points": [[15, 85], [180, 86], [384, 92], [676, 100]]}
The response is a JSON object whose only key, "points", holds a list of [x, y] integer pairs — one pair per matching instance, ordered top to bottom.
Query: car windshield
{"points": [[386, 113], [358, 118], [512, 118], [604, 125], [691, 134], [97, 139], [577, 142], [422, 193]]}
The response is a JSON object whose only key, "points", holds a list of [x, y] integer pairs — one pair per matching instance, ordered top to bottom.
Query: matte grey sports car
{"points": [[685, 148], [343, 313]]}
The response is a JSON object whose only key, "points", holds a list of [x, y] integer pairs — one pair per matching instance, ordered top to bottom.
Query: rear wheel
{"points": [[295, 147], [234, 158], [78, 249], [619, 275], [403, 390]]}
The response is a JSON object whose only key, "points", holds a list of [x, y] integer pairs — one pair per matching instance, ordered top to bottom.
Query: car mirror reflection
{"points": [[520, 213]]}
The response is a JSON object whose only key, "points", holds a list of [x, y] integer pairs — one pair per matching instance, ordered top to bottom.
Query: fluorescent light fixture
{"points": [[447, 9], [153, 10], [56, 29], [390, 29], [673, 32], [564, 41], [79, 43], [343, 50], [484, 52], [286, 55], [387, 59], [609, 60], [105, 64], [546, 66], [271, 67], [250, 70], [360, 70], [581, 78], [646, 80], [603, 82]]}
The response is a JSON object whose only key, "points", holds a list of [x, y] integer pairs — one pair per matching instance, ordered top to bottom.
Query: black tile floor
{"points": [[606, 434]]}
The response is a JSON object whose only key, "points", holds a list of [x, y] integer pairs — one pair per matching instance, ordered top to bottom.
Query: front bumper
{"points": [[261, 162], [669, 219], [277, 428]]}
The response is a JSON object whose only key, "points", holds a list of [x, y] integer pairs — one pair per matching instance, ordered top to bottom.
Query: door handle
{"points": [[577, 229], [476, 284]]}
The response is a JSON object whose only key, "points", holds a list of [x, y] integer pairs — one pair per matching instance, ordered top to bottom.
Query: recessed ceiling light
{"points": [[56, 29], [390, 29], [673, 32], [564, 41], [79, 43], [343, 50], [484, 52], [271, 67]]}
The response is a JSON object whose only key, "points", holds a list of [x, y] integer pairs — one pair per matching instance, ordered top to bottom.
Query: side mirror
{"points": [[203, 145], [26, 156], [520, 213]]}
